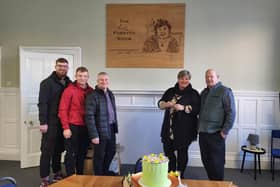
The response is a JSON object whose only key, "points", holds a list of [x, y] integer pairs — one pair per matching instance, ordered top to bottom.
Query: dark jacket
{"points": [[49, 96], [217, 109], [96, 114], [184, 124]]}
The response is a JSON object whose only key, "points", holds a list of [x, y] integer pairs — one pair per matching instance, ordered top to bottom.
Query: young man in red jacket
{"points": [[71, 114]]}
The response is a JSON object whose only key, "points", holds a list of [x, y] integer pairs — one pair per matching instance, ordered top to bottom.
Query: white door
{"points": [[35, 65]]}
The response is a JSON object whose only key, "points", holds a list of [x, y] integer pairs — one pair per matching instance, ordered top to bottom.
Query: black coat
{"points": [[49, 96], [96, 114], [184, 125]]}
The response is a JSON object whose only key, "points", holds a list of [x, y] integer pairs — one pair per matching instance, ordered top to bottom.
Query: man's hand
{"points": [[44, 128], [67, 133], [223, 135], [95, 140]]}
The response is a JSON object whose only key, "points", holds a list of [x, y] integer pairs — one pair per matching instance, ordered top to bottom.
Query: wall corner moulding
{"points": [[0, 66]]}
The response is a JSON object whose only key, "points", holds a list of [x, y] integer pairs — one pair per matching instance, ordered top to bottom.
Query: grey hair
{"points": [[102, 73], [184, 73]]}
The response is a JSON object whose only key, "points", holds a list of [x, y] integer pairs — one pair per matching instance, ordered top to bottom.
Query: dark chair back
{"points": [[275, 134], [275, 149], [138, 166], [7, 182]]}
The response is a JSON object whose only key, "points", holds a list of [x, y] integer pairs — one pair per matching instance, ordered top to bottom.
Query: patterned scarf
{"points": [[174, 100]]}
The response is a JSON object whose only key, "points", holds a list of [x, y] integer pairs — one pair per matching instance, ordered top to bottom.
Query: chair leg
{"points": [[119, 162], [271, 163], [259, 164], [242, 165], [255, 166], [273, 168]]}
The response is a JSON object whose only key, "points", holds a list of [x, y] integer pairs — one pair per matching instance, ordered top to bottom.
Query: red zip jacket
{"points": [[72, 105]]}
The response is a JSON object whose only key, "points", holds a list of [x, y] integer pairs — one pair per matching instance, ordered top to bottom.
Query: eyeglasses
{"points": [[61, 66]]}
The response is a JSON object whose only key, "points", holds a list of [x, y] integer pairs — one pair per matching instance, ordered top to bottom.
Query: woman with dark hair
{"points": [[162, 40], [181, 104]]}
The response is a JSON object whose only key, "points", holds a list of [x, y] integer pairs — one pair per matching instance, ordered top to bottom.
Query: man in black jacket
{"points": [[101, 120], [52, 142]]}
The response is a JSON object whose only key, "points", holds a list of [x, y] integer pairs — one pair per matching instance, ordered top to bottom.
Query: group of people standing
{"points": [[188, 114], [71, 115]]}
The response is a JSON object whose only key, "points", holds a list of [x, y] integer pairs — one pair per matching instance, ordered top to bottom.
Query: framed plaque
{"points": [[145, 35]]}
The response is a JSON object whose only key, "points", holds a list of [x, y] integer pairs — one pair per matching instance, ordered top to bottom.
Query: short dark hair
{"points": [[63, 60], [81, 69], [184, 73]]}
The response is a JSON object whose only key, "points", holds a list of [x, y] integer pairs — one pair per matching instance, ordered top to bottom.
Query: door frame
{"points": [[77, 55]]}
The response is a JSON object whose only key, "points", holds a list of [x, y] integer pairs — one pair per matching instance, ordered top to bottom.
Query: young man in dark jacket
{"points": [[101, 120], [52, 144]]}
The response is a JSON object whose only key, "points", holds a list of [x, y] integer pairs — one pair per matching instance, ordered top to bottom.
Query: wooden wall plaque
{"points": [[145, 35]]}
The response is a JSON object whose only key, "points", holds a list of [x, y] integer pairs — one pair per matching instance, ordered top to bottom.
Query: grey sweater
{"points": [[217, 112]]}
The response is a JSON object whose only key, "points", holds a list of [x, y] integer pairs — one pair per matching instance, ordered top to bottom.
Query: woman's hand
{"points": [[169, 104], [165, 105], [179, 107]]}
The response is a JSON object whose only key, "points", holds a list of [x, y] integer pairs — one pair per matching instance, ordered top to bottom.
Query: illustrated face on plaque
{"points": [[163, 32]]}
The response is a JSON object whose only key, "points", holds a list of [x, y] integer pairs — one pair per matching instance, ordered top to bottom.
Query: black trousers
{"points": [[52, 145], [212, 149], [76, 150], [103, 154], [178, 163]]}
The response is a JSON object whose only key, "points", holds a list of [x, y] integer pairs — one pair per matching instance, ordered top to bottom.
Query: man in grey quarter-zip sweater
{"points": [[216, 118]]}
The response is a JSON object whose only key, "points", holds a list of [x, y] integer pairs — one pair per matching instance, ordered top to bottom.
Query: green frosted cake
{"points": [[155, 171]]}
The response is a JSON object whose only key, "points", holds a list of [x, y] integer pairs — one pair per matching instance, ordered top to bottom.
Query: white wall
{"points": [[239, 38], [140, 123], [9, 124]]}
